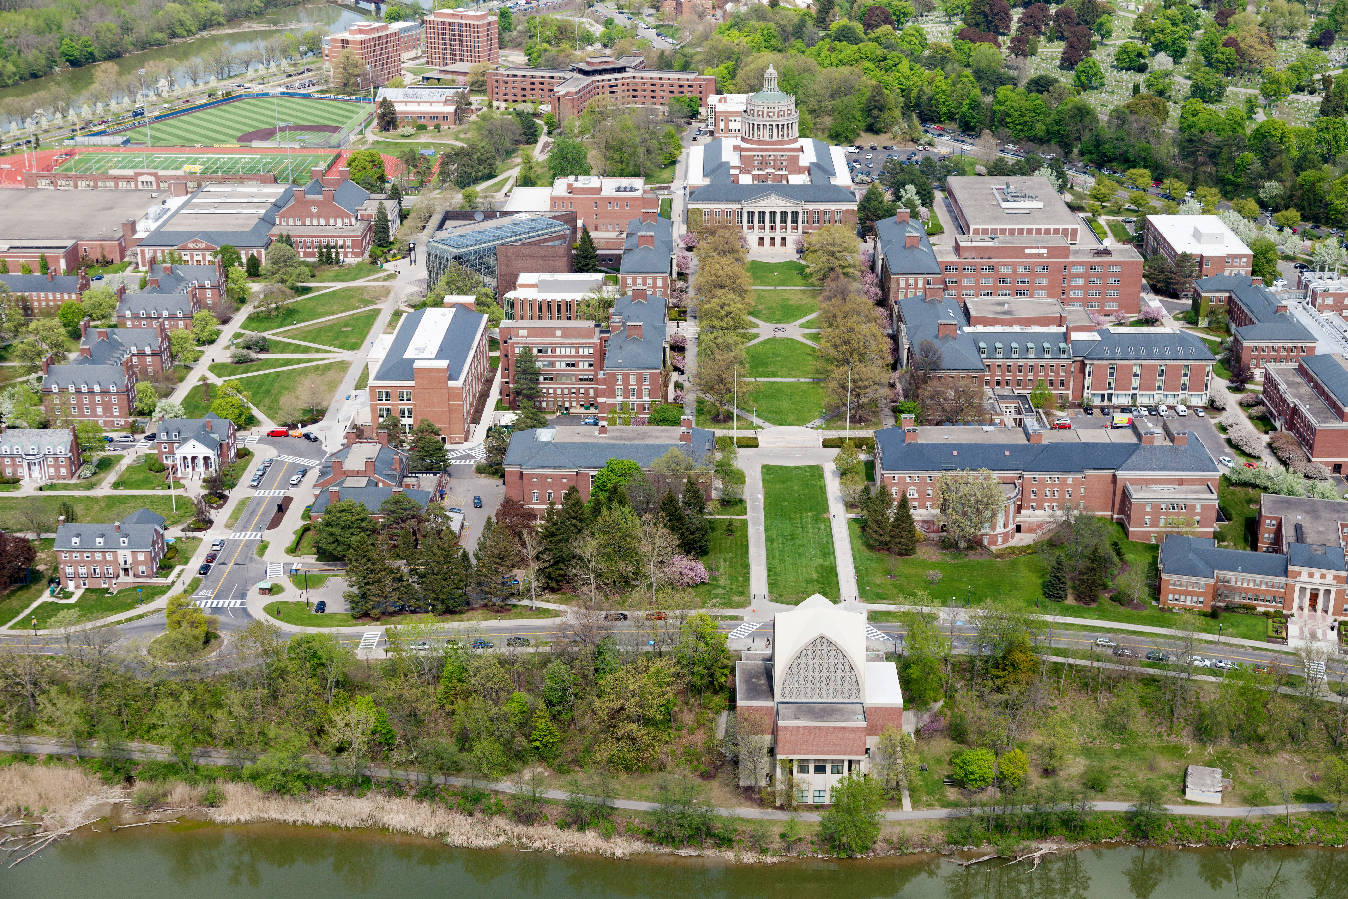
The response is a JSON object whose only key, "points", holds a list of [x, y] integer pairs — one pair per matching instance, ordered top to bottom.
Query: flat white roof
{"points": [[529, 199], [1205, 235], [430, 333]]}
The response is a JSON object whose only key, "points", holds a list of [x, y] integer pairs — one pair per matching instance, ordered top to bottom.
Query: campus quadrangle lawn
{"points": [[224, 124], [778, 274], [316, 305], [781, 307], [345, 333], [782, 357], [227, 370], [270, 391], [786, 402], [14, 509], [799, 539], [728, 565]]}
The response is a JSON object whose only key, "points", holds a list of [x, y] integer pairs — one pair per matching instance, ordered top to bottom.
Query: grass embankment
{"points": [[316, 305], [799, 540], [92, 605], [296, 613]]}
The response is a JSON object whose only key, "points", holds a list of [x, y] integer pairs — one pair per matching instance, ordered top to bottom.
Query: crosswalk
{"points": [[252, 439], [468, 454], [298, 460], [269, 492], [245, 535], [275, 571], [219, 603], [745, 629], [873, 633], [369, 639]]}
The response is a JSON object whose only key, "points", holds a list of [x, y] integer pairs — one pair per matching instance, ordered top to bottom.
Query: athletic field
{"points": [[254, 118], [98, 163]]}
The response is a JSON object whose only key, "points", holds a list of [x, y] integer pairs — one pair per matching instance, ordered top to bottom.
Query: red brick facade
{"points": [[454, 36], [378, 47], [624, 82]]}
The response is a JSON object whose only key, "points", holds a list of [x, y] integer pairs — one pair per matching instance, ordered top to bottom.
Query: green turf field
{"points": [[225, 123], [98, 163]]}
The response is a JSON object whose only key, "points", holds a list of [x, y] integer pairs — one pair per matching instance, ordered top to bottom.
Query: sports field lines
{"points": [[225, 124], [208, 163]]}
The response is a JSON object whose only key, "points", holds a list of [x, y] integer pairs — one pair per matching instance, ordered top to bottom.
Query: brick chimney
{"points": [[316, 172], [329, 194], [649, 215], [902, 215], [646, 239], [911, 239], [167, 268], [51, 275], [1257, 280], [639, 293], [946, 328], [633, 330], [101, 333], [46, 363], [908, 420], [603, 427], [685, 430], [910, 434], [1035, 435], [381, 436], [1180, 439], [397, 488], [334, 494], [116, 527]]}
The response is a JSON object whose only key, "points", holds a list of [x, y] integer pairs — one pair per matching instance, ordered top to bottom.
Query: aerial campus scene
{"points": [[554, 447]]}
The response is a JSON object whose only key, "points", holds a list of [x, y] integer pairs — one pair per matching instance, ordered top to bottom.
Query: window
{"points": [[835, 767], [820, 797]]}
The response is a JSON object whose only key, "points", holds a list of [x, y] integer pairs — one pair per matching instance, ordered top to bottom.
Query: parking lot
{"points": [[866, 162]]}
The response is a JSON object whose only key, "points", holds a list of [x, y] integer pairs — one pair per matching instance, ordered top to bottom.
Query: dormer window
{"points": [[74, 541]]}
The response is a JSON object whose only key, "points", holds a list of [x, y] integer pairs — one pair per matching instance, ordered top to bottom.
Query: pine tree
{"points": [[395, 193], [379, 234], [586, 257], [253, 267], [525, 386], [875, 517], [674, 519], [561, 526], [902, 529], [696, 539], [497, 554], [443, 572], [1093, 575], [1055, 585]]}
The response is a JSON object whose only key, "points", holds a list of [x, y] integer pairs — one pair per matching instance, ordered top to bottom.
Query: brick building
{"points": [[453, 36], [379, 46], [623, 82], [425, 105], [725, 114], [773, 184], [605, 206], [331, 211], [212, 216], [72, 229], [1213, 245], [499, 246], [648, 256], [905, 263], [205, 283], [1325, 291], [44, 294], [551, 297], [149, 310], [1262, 331], [145, 350], [1108, 366], [433, 367], [585, 367], [89, 392], [1309, 399], [195, 447], [39, 454], [375, 460], [543, 463], [1155, 484], [365, 491], [1284, 520], [110, 556], [1307, 581], [819, 696]]}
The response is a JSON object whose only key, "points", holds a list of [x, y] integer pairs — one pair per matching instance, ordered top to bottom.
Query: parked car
{"points": [[1089, 410], [1181, 410], [1200, 412], [592, 420], [1062, 424], [278, 432], [149, 436], [125, 438], [312, 438], [1227, 461], [295, 479], [477, 502], [456, 509], [217, 545], [211, 557], [205, 569], [321, 606], [615, 616], [656, 616], [517, 641], [1104, 641], [479, 643], [421, 646], [1123, 651], [1155, 655], [1224, 664], [1262, 669]]}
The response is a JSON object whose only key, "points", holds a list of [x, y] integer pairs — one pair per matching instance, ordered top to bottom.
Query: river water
{"points": [[204, 861]]}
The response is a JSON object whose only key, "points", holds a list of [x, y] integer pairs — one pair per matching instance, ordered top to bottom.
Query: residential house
{"points": [[196, 447], [39, 454], [110, 556]]}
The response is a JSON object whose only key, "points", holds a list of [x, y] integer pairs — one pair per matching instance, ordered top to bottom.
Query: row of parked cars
{"points": [[1155, 655]]}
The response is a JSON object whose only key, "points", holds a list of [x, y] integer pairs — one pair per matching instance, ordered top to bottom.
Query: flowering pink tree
{"points": [[689, 240], [683, 262], [870, 286], [1151, 315], [686, 572]]}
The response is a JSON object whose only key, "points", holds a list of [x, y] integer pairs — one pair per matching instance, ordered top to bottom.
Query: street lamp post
{"points": [[149, 139]]}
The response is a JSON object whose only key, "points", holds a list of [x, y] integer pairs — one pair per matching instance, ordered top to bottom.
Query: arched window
{"points": [[820, 672]]}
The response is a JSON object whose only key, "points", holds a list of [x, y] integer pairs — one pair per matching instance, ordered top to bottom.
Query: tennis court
{"points": [[255, 118], [99, 163]]}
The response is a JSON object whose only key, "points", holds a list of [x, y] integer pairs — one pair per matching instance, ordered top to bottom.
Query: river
{"points": [[204, 861]]}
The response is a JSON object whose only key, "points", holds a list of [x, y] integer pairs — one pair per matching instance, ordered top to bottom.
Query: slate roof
{"points": [[722, 189], [349, 195], [172, 233], [648, 260], [918, 260], [182, 276], [38, 283], [1256, 299], [155, 305], [921, 317], [1280, 327], [1033, 343], [1142, 343], [118, 344], [454, 346], [644, 353], [1329, 370], [61, 377], [182, 430], [46, 441], [535, 449], [1052, 457], [389, 463], [371, 496], [138, 528], [1316, 555], [1202, 557]]}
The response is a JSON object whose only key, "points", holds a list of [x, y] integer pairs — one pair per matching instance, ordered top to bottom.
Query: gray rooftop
{"points": [[723, 189], [349, 195], [977, 198], [219, 214], [69, 215], [902, 259], [648, 260], [180, 277], [38, 283], [1256, 299], [155, 305], [921, 317], [1281, 327], [442, 335], [119, 343], [1020, 343], [1161, 344], [644, 353], [1330, 371], [105, 377], [211, 431], [45, 441], [582, 449], [390, 464], [369, 495], [1305, 519], [138, 529], [1315, 555], [1202, 557], [753, 680], [821, 712]]}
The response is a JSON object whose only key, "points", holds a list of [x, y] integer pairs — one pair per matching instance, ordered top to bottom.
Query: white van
{"points": [[1181, 410]]}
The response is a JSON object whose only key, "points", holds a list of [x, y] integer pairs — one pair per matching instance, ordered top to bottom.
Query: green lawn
{"points": [[226, 123], [666, 207], [1120, 231], [353, 272], [778, 274], [317, 305], [784, 306], [345, 333], [275, 345], [782, 357], [229, 370], [270, 391], [786, 403], [195, 404], [705, 408], [102, 465], [139, 477], [1241, 506], [15, 510], [799, 540], [185, 547], [728, 565], [311, 581], [1015, 582], [22, 596], [95, 604], [295, 612]]}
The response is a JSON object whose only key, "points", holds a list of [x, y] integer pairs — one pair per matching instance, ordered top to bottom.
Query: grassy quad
{"points": [[353, 272], [777, 274], [316, 305], [781, 307], [345, 333], [782, 357], [227, 370], [270, 391], [787, 403], [139, 477], [15, 511], [799, 538], [728, 565]]}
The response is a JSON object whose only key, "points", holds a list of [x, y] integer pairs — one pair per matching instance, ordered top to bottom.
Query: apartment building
{"points": [[455, 36], [379, 46], [624, 82], [605, 206], [332, 212], [1210, 241], [648, 257], [905, 263], [44, 294], [551, 297], [150, 310], [1263, 333], [145, 350], [104, 393], [1309, 399], [39, 454], [111, 555]]}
